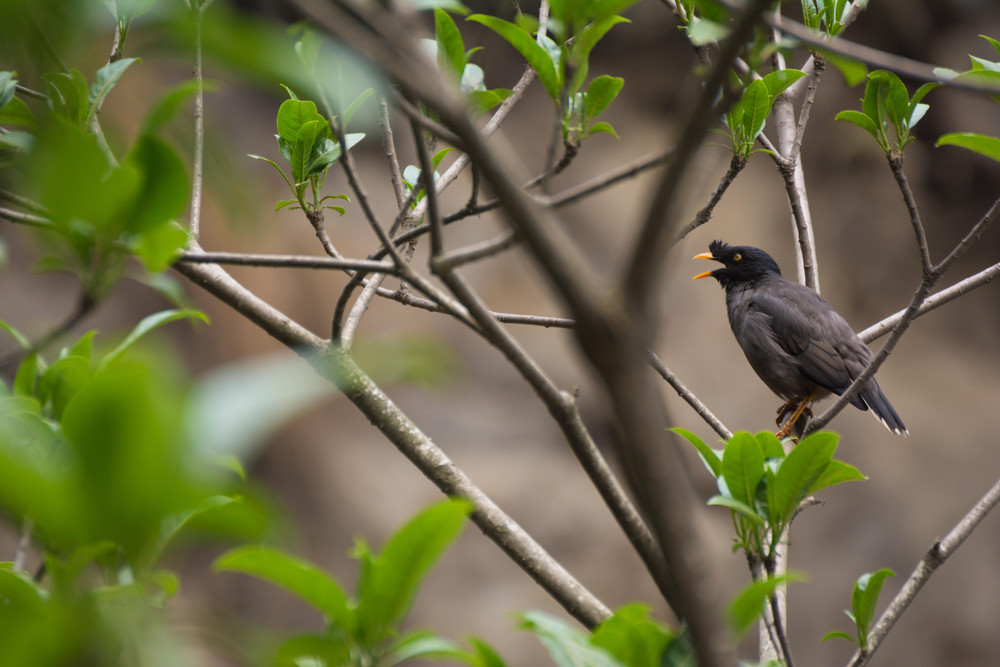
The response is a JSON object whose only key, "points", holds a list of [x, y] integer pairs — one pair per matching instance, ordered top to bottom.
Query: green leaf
{"points": [[705, 32], [585, 40], [451, 48], [536, 55], [105, 79], [779, 81], [8, 86], [601, 92], [68, 95], [167, 106], [353, 107], [756, 107], [16, 112], [293, 115], [859, 119], [603, 128], [979, 143], [302, 149], [327, 152], [273, 164], [163, 189], [159, 247], [148, 324], [18, 337], [26, 377], [61, 382], [232, 410], [770, 445], [708, 455], [743, 467], [800, 470], [837, 472], [736, 506], [297, 576], [387, 588], [866, 593], [748, 605], [837, 634], [632, 637], [417, 645], [567, 646], [312, 650]]}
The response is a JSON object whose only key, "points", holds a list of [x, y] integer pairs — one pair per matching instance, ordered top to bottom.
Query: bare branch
{"points": [[288, 261]]}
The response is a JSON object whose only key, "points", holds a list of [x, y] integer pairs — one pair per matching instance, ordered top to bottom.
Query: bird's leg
{"points": [[802, 407]]}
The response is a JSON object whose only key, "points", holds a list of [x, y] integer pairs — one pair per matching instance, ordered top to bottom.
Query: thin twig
{"points": [[389, 146], [736, 165], [198, 166], [288, 261], [696, 404]]}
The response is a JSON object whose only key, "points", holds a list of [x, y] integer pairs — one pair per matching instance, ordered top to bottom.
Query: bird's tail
{"points": [[881, 408]]}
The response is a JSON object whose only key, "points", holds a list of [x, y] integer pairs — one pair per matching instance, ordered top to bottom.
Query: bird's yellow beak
{"points": [[704, 255]]}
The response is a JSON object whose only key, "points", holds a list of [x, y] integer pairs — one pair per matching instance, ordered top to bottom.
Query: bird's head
{"points": [[741, 264]]}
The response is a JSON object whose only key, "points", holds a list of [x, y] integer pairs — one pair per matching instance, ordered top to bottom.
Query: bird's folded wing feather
{"points": [[809, 332]]}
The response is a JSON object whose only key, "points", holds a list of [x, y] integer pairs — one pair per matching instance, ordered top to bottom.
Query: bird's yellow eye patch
{"points": [[737, 257]]}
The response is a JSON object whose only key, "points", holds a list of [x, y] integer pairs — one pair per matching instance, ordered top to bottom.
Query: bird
{"points": [[795, 341]]}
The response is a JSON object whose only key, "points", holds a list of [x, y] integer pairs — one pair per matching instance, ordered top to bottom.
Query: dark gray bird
{"points": [[794, 340]]}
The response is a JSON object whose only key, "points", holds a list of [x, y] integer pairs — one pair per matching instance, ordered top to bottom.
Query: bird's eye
{"points": [[737, 257]]}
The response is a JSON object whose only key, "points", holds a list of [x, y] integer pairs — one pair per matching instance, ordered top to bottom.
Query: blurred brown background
{"points": [[339, 478]]}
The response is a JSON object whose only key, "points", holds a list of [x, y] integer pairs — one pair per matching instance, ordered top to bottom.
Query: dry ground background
{"points": [[338, 477]]}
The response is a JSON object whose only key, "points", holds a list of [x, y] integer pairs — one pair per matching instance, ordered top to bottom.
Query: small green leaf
{"points": [[705, 32], [585, 40], [451, 48], [536, 55], [853, 71], [106, 79], [777, 82], [8, 86], [601, 92], [68, 95], [167, 106], [353, 107], [756, 107], [16, 112], [292, 115], [859, 119], [602, 128], [979, 143], [302, 149], [273, 164], [159, 247], [145, 326], [18, 337], [770, 445], [708, 455], [743, 467], [800, 470], [836, 472], [736, 506], [297, 576], [387, 588], [863, 601], [748, 605], [837, 634], [632, 637], [428, 646], [567, 646]]}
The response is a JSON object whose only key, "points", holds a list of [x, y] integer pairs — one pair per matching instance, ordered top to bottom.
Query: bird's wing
{"points": [[811, 332]]}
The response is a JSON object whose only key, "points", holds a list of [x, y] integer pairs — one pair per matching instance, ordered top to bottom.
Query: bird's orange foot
{"points": [[803, 407]]}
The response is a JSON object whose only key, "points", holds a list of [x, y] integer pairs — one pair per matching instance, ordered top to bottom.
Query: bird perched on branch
{"points": [[796, 342]]}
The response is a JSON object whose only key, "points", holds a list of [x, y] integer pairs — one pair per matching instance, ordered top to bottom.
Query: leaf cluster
{"points": [[561, 57], [984, 73], [887, 104], [746, 117], [307, 143], [95, 460], [763, 486], [363, 630]]}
